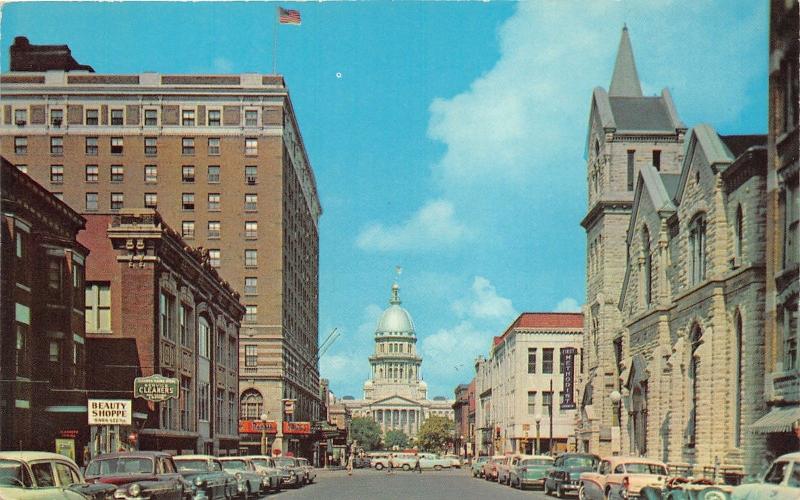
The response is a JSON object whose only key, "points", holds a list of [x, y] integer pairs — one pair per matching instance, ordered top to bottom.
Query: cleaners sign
{"points": [[155, 388], [110, 411]]}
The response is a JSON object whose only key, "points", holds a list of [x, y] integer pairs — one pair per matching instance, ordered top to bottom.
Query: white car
{"points": [[42, 475], [781, 482]]}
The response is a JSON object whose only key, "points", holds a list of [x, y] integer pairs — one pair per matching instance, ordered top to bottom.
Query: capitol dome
{"points": [[395, 319]]}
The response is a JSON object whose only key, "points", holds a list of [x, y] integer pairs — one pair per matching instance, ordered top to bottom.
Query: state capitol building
{"points": [[395, 396]]}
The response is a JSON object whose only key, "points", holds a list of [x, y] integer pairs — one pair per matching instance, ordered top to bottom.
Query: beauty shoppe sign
{"points": [[271, 427]]}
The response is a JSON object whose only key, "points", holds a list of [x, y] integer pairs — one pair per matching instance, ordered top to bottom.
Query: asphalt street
{"points": [[371, 484]]}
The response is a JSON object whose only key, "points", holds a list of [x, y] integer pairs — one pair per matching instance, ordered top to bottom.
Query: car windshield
{"points": [[482, 459], [536, 461], [262, 462], [284, 462], [580, 462], [120, 465], [191, 465], [234, 465], [642, 468], [13, 473], [776, 473]]}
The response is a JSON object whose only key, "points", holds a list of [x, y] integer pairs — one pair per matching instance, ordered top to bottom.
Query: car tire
{"points": [[378, 466], [406, 467], [581, 492]]}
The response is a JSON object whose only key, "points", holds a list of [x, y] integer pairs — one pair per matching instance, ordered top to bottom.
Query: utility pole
{"points": [[552, 399]]}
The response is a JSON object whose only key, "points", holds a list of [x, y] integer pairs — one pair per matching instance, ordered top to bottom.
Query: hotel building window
{"points": [[21, 116], [56, 117], [92, 117], [117, 117], [151, 117], [187, 118], [214, 118], [250, 118], [20, 145], [116, 145], [213, 145], [57, 146], [91, 146], [150, 146], [187, 146], [251, 146], [92, 173], [117, 173], [57, 174], [150, 174], [187, 174], [213, 174], [251, 174], [117, 200], [151, 200], [187, 201], [91, 202], [214, 202], [251, 202], [187, 229], [214, 230], [251, 230], [214, 256], [251, 258], [251, 285], [98, 307], [251, 313], [250, 355]]}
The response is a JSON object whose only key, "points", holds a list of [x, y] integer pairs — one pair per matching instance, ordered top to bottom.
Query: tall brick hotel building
{"points": [[222, 160]]}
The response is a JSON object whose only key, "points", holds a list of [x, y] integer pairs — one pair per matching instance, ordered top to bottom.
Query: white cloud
{"points": [[223, 65], [433, 226], [484, 302], [568, 304], [451, 352]]}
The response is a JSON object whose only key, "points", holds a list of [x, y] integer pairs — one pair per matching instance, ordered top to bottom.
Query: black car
{"points": [[566, 472]]}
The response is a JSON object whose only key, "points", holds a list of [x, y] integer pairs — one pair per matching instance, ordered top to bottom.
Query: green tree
{"points": [[366, 432], [435, 434], [395, 438]]}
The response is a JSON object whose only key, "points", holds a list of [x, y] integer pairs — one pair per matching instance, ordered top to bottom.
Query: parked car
{"points": [[379, 460], [455, 460], [403, 461], [433, 461], [266, 466], [477, 466], [503, 467], [490, 468], [529, 470], [310, 472], [37, 474], [140, 474], [206, 474], [291, 474], [565, 475], [622, 477], [781, 481], [250, 483]]}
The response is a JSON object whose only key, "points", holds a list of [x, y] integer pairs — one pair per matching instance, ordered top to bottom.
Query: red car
{"points": [[140, 474]]}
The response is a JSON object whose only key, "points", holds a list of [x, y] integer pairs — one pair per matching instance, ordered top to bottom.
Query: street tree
{"points": [[367, 432], [435, 434], [395, 438]]}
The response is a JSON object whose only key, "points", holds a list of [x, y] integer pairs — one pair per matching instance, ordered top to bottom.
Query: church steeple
{"points": [[625, 82]]}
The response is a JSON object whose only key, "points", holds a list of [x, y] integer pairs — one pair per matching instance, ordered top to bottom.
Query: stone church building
{"points": [[673, 344], [395, 396]]}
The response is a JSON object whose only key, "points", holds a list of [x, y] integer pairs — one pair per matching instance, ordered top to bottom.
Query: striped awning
{"points": [[781, 419]]}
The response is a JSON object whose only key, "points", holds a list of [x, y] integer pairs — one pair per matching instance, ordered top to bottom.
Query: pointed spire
{"points": [[625, 82], [395, 294]]}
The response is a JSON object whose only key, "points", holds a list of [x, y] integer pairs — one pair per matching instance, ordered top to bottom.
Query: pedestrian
{"points": [[350, 465], [390, 466], [417, 467]]}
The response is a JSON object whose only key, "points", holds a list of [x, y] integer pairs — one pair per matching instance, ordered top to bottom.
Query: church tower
{"points": [[626, 130]]}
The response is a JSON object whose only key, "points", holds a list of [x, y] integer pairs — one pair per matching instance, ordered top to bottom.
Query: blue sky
{"points": [[446, 137]]}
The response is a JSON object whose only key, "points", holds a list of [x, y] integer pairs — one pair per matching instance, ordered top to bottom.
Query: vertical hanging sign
{"points": [[568, 371]]}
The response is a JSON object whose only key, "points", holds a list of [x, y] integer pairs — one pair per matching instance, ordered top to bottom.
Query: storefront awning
{"points": [[66, 409], [778, 420]]}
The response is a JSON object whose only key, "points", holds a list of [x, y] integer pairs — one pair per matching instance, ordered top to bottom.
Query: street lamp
{"points": [[616, 397], [264, 417], [538, 419]]}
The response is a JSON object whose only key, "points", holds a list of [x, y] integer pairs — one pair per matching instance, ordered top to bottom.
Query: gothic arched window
{"points": [[739, 236], [697, 249], [648, 267], [694, 372], [737, 401], [251, 405]]}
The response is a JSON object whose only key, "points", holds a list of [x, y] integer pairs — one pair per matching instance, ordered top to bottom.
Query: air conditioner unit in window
{"points": [[56, 122], [21, 123], [251, 179]]}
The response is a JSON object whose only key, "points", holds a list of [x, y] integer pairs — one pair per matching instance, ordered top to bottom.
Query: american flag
{"points": [[288, 16]]}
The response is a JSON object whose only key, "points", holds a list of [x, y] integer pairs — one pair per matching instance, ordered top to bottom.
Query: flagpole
{"points": [[275, 44]]}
